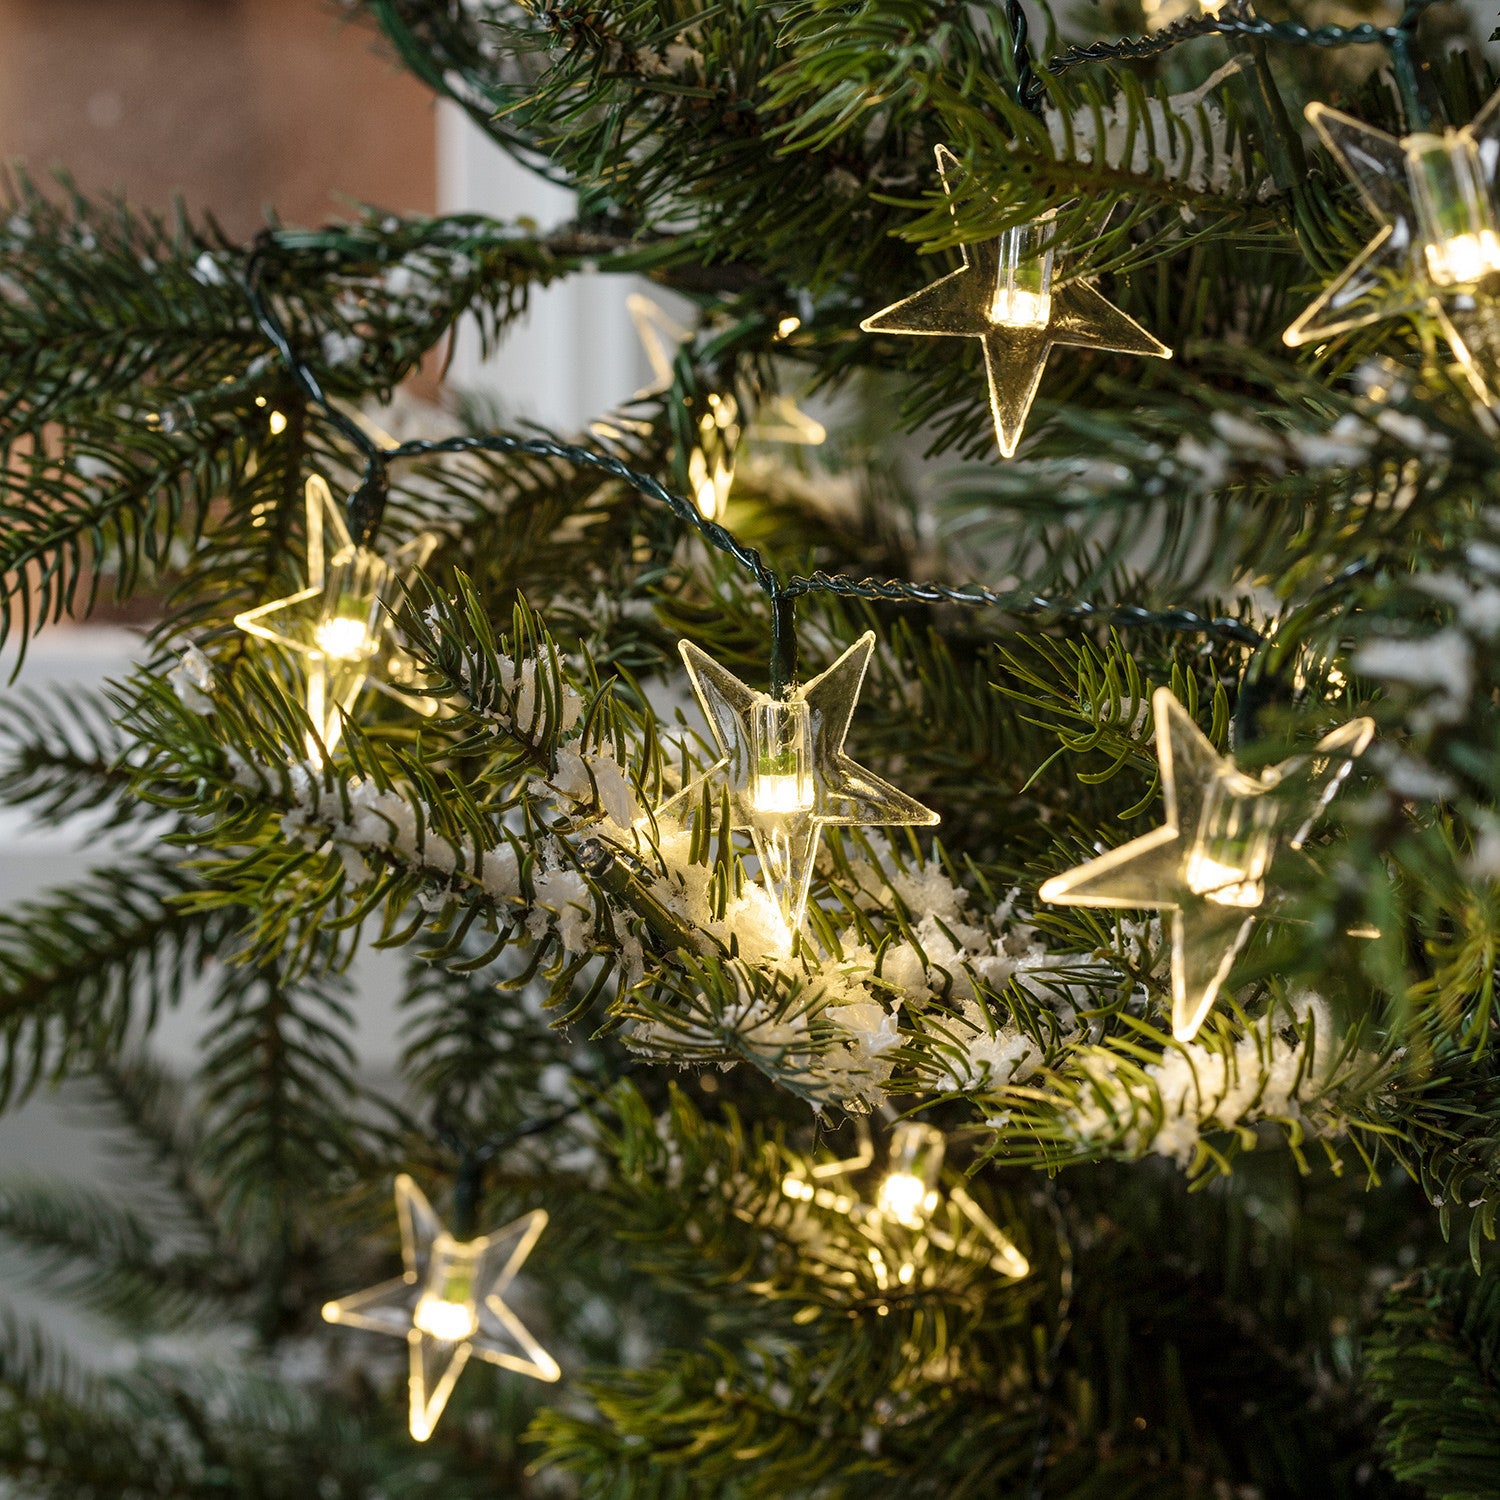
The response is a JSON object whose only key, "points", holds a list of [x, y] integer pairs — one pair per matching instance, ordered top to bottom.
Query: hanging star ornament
{"points": [[1438, 245], [1007, 294], [719, 424], [338, 623], [783, 769], [1208, 863], [914, 1211], [449, 1304]]}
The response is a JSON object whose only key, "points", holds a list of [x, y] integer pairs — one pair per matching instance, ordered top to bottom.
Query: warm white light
{"points": [[1464, 258], [1014, 308], [787, 327], [278, 423], [710, 478], [708, 500], [343, 638], [781, 794], [1224, 885], [906, 1198], [449, 1321]]}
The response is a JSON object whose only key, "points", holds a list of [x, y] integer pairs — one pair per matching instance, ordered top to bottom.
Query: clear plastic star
{"points": [[1438, 245], [1007, 295], [711, 458], [338, 623], [784, 769], [1208, 863], [914, 1210], [448, 1303]]}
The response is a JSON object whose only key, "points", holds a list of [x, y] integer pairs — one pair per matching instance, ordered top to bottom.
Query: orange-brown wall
{"points": [[236, 104]]}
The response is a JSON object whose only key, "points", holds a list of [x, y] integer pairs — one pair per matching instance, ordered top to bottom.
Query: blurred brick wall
{"points": [[236, 104]]}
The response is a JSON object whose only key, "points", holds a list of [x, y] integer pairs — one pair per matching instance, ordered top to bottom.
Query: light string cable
{"points": [[1240, 20], [1029, 88], [367, 507], [474, 1157]]}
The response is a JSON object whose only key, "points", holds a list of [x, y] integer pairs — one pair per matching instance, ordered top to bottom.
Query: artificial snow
{"points": [[192, 679], [1195, 1088]]}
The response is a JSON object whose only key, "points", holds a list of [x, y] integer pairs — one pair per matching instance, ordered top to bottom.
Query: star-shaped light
{"points": [[1438, 245], [1008, 295], [711, 457], [338, 622], [784, 770], [1208, 863], [913, 1212], [449, 1303]]}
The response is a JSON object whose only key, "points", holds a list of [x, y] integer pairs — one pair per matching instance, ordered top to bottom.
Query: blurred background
{"points": [[238, 108]]}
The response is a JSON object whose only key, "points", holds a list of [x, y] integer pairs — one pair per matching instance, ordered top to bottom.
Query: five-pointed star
{"points": [[1390, 276], [963, 303], [711, 459], [338, 622], [834, 789], [1208, 862], [950, 1220], [435, 1264]]}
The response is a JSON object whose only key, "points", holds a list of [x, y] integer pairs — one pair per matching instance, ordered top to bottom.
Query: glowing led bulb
{"points": [[1455, 212], [1466, 257], [1023, 281], [711, 463], [342, 638], [781, 739], [1232, 851], [1226, 885], [909, 1192], [905, 1198], [446, 1308], [449, 1321]]}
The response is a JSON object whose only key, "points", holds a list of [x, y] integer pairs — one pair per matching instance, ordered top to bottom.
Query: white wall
{"points": [[576, 354]]}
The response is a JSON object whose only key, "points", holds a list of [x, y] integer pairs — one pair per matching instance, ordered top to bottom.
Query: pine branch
{"points": [[60, 757], [79, 969], [278, 1091], [1433, 1365]]}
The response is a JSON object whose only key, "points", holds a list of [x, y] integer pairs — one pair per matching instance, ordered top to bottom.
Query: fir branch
{"points": [[60, 756], [80, 968], [278, 1091], [1433, 1365]]}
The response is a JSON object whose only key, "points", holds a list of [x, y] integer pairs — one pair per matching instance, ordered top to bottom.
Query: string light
{"points": [[1438, 245], [1007, 296], [719, 428], [338, 623], [782, 766], [1207, 864], [912, 1215], [448, 1304]]}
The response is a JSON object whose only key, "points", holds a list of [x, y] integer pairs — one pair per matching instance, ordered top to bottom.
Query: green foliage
{"points": [[80, 968], [1211, 1227], [1432, 1364]]}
